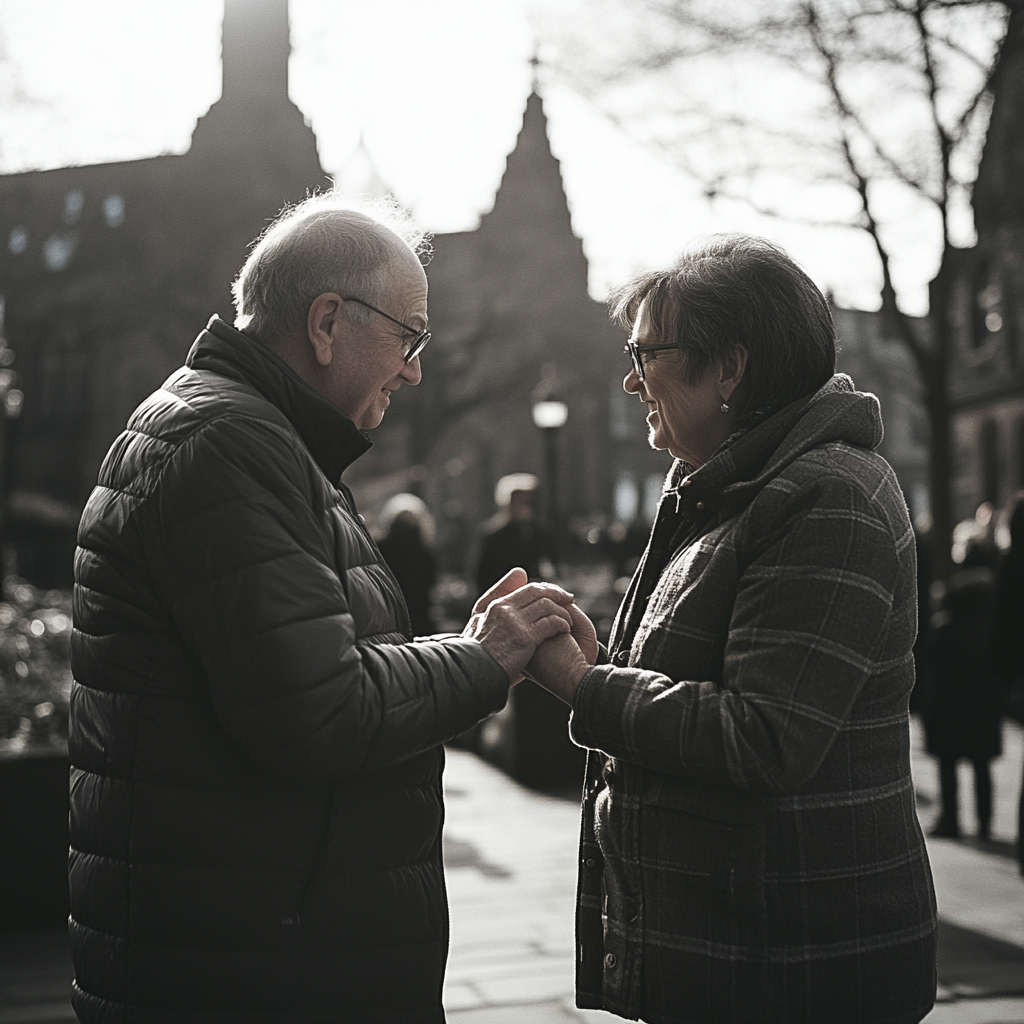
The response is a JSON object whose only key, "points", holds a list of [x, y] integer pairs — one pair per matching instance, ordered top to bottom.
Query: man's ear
{"points": [[321, 322], [733, 369]]}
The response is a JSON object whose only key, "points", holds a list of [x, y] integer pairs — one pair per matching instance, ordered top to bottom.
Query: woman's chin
{"points": [[656, 439]]}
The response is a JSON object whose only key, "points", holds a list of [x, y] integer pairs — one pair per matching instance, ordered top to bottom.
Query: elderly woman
{"points": [[750, 849]]}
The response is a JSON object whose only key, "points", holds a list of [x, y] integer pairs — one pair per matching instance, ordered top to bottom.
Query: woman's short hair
{"points": [[325, 244], [731, 289]]}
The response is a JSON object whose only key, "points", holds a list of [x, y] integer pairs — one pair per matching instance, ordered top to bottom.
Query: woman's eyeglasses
{"points": [[636, 354]]}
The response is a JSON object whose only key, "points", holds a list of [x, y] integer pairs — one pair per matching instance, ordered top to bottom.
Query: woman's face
{"points": [[684, 419]]}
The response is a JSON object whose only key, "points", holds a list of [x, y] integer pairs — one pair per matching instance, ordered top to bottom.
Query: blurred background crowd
{"points": [[879, 142]]}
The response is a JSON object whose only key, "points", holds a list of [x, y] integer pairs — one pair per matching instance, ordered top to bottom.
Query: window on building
{"points": [[74, 201], [113, 211], [18, 241], [58, 250], [987, 320], [1010, 326], [59, 387], [625, 421], [1020, 453], [990, 462], [652, 495], [626, 499]]}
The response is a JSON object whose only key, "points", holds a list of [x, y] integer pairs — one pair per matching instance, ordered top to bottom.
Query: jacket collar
{"points": [[333, 440], [750, 458]]}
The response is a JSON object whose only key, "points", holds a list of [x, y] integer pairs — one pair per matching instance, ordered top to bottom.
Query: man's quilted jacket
{"points": [[256, 785]]}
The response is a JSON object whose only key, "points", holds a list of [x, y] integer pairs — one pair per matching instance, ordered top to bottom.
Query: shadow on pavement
{"points": [[458, 853], [975, 965]]}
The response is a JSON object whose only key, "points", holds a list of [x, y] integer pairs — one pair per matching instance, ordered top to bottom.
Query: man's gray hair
{"points": [[327, 243]]}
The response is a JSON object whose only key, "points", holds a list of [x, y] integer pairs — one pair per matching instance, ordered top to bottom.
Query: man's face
{"points": [[368, 363], [521, 507]]}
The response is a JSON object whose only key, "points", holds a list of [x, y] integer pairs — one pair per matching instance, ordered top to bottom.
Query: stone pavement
{"points": [[511, 857]]}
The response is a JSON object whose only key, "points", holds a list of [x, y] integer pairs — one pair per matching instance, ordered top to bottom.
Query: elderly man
{"points": [[256, 782]]}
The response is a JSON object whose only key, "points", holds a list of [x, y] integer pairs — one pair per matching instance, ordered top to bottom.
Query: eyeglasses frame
{"points": [[419, 340], [636, 352]]}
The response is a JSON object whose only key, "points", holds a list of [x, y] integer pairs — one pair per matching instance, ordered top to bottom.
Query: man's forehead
{"points": [[410, 288]]}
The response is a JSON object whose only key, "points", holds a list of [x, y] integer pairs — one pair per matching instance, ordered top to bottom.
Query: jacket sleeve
{"points": [[248, 572], [812, 610]]}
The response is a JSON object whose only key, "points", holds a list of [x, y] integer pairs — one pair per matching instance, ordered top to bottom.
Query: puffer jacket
{"points": [[256, 799], [751, 852]]}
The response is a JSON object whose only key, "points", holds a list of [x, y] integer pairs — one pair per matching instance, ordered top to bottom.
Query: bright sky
{"points": [[436, 88]]}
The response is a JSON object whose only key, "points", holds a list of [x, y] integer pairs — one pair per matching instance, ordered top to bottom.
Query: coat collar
{"points": [[333, 440]]}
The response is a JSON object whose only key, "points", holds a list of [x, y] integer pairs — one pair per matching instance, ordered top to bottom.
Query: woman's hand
{"points": [[512, 618], [583, 633], [558, 665]]}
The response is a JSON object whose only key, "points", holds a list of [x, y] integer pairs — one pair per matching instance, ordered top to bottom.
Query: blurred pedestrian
{"points": [[408, 531], [515, 536], [974, 539], [1008, 636], [963, 716], [256, 799], [750, 851]]}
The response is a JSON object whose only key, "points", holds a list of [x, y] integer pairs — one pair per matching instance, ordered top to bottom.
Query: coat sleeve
{"points": [[248, 572], [812, 609]]}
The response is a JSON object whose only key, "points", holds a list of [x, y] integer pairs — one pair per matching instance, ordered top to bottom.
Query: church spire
{"points": [[256, 48], [254, 114], [531, 203]]}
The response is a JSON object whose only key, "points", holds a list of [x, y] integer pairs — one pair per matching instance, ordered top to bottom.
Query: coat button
{"points": [[700, 506], [591, 863], [609, 960]]}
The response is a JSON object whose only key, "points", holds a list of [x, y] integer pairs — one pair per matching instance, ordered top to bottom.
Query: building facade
{"points": [[108, 272], [883, 365], [987, 371]]}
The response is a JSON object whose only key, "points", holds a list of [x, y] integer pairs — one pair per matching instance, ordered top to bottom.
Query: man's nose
{"points": [[412, 372], [631, 382]]}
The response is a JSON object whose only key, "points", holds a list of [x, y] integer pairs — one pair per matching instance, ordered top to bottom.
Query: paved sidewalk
{"points": [[511, 859]]}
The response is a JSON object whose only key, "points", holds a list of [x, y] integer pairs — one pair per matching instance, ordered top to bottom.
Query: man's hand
{"points": [[514, 616], [558, 665]]}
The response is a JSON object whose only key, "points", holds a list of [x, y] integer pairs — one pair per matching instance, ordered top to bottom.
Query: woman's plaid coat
{"points": [[750, 849]]}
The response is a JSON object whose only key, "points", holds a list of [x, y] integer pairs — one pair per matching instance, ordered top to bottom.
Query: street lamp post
{"points": [[550, 416]]}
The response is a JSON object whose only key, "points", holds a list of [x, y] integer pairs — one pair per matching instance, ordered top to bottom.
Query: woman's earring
{"points": [[725, 407]]}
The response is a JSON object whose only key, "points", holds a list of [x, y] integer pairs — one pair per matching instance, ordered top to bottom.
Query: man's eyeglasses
{"points": [[419, 338], [636, 354]]}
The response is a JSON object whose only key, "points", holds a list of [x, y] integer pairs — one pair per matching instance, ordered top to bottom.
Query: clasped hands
{"points": [[535, 629]]}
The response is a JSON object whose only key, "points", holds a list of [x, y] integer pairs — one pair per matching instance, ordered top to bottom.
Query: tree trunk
{"points": [[940, 414]]}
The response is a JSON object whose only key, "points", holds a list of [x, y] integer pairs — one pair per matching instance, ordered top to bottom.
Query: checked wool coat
{"points": [[750, 849]]}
